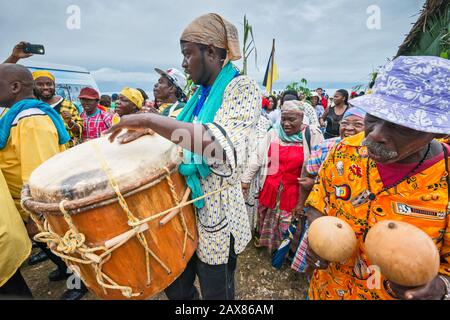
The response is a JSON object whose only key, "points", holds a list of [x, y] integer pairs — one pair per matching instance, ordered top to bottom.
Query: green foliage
{"points": [[435, 38], [445, 44], [249, 45], [373, 78], [300, 87]]}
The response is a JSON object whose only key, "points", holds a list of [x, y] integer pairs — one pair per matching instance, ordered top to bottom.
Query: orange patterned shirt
{"points": [[342, 191]]}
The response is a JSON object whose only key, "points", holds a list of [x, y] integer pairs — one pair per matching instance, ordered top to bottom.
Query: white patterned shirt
{"points": [[225, 213]]}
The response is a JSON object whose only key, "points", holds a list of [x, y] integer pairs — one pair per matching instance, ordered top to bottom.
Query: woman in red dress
{"points": [[280, 158]]}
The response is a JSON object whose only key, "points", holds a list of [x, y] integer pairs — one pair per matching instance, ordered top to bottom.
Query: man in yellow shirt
{"points": [[45, 90], [31, 132], [15, 247]]}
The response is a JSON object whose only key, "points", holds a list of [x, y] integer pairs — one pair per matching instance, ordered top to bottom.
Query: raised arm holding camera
{"points": [[18, 53]]}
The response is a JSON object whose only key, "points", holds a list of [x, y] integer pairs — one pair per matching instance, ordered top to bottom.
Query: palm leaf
{"points": [[430, 34], [430, 42], [249, 46]]}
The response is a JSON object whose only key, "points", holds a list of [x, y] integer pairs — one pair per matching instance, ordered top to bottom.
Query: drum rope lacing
{"points": [[177, 202], [73, 241]]}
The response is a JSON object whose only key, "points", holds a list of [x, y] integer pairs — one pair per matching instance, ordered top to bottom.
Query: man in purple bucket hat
{"points": [[395, 170]]}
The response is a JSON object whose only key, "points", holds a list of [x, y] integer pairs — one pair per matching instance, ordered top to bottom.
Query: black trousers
{"points": [[54, 258], [60, 264], [216, 281], [15, 289]]}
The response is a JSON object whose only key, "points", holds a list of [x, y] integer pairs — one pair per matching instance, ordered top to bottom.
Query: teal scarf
{"points": [[7, 120], [298, 137], [194, 167]]}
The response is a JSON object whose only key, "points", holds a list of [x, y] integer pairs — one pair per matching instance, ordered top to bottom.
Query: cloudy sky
{"points": [[328, 42]]}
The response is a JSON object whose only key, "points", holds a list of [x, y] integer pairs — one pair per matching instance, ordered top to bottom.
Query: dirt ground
{"points": [[256, 279]]}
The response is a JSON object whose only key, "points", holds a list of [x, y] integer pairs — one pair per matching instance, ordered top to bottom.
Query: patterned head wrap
{"points": [[213, 29], [293, 105]]}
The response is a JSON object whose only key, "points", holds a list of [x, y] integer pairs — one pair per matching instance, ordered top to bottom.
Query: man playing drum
{"points": [[217, 122]]}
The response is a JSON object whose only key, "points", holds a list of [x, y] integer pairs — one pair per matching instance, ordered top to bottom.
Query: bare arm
{"points": [[17, 54], [11, 59], [324, 117], [193, 137]]}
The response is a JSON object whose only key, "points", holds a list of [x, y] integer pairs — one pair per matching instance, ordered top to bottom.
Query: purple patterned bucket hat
{"points": [[413, 92]]}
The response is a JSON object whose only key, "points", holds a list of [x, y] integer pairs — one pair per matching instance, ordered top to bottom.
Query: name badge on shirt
{"points": [[417, 212]]}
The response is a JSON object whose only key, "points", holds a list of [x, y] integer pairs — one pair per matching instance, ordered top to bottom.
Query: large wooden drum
{"points": [[108, 211]]}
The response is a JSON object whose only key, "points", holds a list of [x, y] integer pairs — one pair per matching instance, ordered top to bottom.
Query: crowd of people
{"points": [[289, 159]]}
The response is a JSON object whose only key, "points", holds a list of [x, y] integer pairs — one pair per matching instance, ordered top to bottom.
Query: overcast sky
{"points": [[121, 42]]}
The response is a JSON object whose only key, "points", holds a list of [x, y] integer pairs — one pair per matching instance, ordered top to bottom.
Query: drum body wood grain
{"points": [[141, 170]]}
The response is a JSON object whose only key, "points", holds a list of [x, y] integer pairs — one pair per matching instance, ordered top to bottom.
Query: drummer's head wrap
{"points": [[213, 29], [43, 73], [134, 96]]}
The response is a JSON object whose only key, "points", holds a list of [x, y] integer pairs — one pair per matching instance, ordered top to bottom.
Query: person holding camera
{"points": [[45, 90]]}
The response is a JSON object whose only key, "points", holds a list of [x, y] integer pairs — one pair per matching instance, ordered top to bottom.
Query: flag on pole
{"points": [[271, 72]]}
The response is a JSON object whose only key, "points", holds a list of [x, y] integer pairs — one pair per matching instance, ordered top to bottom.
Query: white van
{"points": [[69, 79]]}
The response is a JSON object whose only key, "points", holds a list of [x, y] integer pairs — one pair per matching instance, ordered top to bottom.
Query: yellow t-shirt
{"points": [[33, 140], [15, 246]]}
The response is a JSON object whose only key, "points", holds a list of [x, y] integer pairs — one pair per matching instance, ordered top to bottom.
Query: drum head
{"points": [[81, 172]]}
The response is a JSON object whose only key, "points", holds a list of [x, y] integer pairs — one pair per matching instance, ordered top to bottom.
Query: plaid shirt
{"points": [[96, 124], [319, 154], [299, 263]]}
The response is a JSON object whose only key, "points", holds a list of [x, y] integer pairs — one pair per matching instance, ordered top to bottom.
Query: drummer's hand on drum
{"points": [[133, 122], [132, 135]]}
